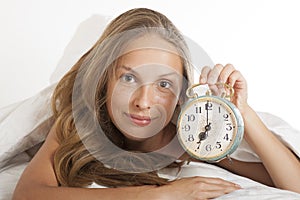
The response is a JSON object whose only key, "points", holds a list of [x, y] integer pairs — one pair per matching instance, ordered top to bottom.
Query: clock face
{"points": [[209, 128]]}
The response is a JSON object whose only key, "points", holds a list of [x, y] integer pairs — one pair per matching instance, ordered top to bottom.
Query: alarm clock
{"points": [[210, 127]]}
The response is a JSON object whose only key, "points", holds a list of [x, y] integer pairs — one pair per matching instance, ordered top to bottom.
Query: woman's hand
{"points": [[229, 75], [196, 188]]}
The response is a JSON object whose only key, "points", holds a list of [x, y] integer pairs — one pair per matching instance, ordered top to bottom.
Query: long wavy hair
{"points": [[79, 105]]}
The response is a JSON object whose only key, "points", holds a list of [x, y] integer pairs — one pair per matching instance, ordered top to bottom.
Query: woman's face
{"points": [[143, 94]]}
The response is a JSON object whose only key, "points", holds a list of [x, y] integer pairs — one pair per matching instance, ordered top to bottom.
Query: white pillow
{"points": [[18, 122]]}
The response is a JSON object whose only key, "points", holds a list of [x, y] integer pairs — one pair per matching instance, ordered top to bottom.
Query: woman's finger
{"points": [[225, 73], [204, 74], [214, 74], [236, 80], [216, 181], [214, 187]]}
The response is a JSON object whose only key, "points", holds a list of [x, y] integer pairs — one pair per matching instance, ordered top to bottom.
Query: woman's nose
{"points": [[143, 97]]}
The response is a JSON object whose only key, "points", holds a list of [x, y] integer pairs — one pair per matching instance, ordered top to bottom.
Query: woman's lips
{"points": [[139, 120]]}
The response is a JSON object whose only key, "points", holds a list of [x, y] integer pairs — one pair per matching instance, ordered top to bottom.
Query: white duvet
{"points": [[18, 135]]}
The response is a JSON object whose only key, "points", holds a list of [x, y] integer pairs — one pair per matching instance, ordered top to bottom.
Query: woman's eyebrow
{"points": [[126, 68], [169, 74]]}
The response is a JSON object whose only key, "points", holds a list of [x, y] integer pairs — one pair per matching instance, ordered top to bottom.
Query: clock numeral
{"points": [[208, 106], [198, 109], [225, 116], [190, 117], [229, 127], [186, 128], [226, 137], [191, 138], [218, 145], [208, 147]]}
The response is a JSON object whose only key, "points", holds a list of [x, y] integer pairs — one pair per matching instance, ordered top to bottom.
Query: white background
{"points": [[260, 37]]}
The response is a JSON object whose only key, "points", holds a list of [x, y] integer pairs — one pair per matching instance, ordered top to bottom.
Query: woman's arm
{"points": [[280, 167], [253, 170], [38, 181]]}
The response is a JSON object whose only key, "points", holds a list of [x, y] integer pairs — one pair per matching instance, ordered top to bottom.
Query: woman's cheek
{"points": [[168, 103]]}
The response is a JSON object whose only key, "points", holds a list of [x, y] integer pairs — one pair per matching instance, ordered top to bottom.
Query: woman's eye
{"points": [[128, 78], [164, 84]]}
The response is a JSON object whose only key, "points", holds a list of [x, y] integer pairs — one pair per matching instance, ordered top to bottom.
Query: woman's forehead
{"points": [[150, 58]]}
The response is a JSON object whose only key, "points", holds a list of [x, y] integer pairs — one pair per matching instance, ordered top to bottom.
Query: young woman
{"points": [[113, 119]]}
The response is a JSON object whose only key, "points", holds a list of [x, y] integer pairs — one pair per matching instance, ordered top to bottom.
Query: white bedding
{"points": [[18, 134]]}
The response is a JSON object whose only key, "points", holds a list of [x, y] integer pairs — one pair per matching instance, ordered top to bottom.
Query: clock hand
{"points": [[207, 113], [207, 127], [203, 135]]}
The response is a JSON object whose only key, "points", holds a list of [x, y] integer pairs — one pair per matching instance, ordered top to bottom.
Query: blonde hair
{"points": [[74, 164]]}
